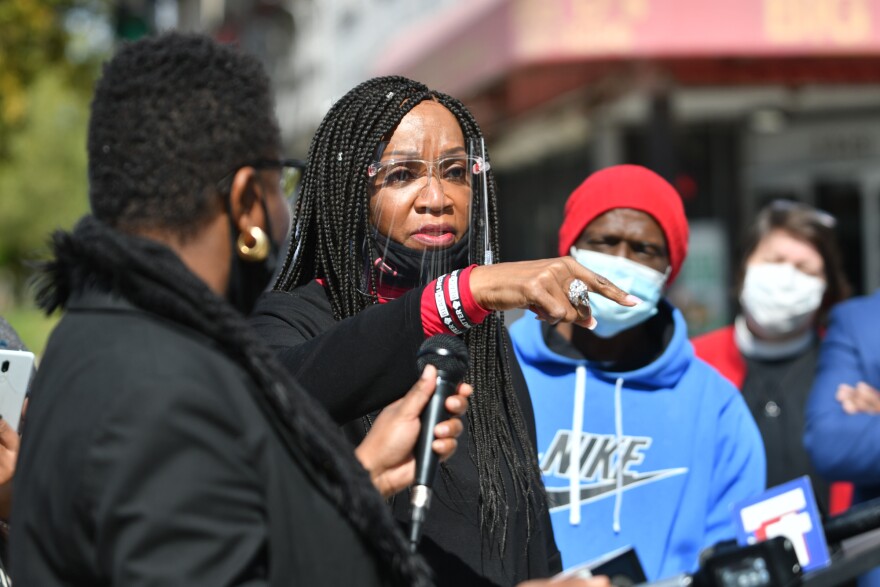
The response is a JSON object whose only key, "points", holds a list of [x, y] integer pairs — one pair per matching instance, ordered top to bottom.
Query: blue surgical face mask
{"points": [[634, 278]]}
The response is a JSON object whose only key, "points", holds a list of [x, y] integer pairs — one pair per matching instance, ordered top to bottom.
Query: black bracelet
{"points": [[440, 300]]}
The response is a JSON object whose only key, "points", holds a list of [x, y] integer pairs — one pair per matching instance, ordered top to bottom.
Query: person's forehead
{"points": [[427, 124], [626, 223], [782, 243]]}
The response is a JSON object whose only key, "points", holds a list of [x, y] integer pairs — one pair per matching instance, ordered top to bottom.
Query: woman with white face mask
{"points": [[791, 275]]}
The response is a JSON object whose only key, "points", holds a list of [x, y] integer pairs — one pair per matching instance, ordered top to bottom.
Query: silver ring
{"points": [[577, 293]]}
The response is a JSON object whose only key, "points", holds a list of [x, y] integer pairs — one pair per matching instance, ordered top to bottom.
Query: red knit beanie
{"points": [[627, 186]]}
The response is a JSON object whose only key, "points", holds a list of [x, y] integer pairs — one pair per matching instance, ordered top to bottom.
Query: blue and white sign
{"points": [[787, 510]]}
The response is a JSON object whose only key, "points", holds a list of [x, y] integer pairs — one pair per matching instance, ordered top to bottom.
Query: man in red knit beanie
{"points": [[633, 187], [640, 442]]}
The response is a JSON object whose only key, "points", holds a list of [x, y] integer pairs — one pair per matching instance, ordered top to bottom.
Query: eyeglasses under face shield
{"points": [[459, 176]]}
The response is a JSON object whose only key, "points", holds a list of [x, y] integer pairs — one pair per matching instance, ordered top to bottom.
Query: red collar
{"points": [[386, 292]]}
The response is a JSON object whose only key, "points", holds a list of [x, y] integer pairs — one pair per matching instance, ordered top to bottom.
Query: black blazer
{"points": [[148, 460]]}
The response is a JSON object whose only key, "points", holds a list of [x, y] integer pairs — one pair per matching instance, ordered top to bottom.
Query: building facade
{"points": [[736, 102]]}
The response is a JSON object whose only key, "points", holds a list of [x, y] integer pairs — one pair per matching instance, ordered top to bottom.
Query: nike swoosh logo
{"points": [[560, 498]]}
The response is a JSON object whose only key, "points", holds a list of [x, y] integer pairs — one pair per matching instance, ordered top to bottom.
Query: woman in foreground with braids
{"points": [[393, 241]]}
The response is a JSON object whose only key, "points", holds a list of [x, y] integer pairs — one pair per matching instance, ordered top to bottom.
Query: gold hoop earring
{"points": [[256, 252]]}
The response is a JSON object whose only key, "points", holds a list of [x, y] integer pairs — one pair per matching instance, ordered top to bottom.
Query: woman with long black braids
{"points": [[394, 237], [165, 443]]}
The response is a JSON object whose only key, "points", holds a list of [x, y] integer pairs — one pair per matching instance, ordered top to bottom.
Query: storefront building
{"points": [[735, 102]]}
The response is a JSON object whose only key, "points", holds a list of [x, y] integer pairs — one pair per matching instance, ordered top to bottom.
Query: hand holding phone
{"points": [[15, 374]]}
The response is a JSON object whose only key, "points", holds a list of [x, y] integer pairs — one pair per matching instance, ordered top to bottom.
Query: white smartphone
{"points": [[15, 373]]}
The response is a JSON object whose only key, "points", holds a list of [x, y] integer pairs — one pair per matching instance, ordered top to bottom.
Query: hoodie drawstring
{"points": [[577, 428], [618, 430], [577, 431]]}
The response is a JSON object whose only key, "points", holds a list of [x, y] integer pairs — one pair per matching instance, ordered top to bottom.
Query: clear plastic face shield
{"points": [[429, 205]]}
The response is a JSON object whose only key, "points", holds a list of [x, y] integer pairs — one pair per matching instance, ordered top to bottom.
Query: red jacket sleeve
{"points": [[718, 348]]}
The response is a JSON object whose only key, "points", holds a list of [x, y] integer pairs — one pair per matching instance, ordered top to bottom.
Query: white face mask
{"points": [[634, 278], [779, 299]]}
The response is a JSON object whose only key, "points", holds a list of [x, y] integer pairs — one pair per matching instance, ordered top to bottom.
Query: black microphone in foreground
{"points": [[450, 356]]}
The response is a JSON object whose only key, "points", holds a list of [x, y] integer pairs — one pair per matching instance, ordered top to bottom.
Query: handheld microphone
{"points": [[450, 356]]}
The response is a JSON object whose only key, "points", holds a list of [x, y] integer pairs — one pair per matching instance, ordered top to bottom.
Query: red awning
{"points": [[475, 44], [455, 50]]}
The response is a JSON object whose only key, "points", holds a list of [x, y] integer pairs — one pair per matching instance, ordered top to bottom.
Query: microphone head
{"points": [[446, 352]]}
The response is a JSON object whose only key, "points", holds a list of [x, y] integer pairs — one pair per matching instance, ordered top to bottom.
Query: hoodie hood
{"points": [[662, 373]]}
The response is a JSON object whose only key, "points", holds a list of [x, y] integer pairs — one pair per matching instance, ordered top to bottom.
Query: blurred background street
{"points": [[736, 102]]}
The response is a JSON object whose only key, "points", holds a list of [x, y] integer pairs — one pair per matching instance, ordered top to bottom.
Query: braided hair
{"points": [[160, 139], [331, 241]]}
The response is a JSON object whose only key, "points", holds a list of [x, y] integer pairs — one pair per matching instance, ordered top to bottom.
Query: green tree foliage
{"points": [[33, 37], [50, 51], [43, 182]]}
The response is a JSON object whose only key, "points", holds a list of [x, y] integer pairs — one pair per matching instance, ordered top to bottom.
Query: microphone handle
{"points": [[434, 413]]}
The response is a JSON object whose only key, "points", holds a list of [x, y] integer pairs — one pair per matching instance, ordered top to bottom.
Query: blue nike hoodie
{"points": [[664, 452]]}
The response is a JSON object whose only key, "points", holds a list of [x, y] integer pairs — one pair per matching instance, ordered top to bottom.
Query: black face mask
{"points": [[400, 266], [249, 279]]}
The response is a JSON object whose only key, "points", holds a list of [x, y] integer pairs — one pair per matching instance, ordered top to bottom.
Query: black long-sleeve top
{"points": [[360, 364]]}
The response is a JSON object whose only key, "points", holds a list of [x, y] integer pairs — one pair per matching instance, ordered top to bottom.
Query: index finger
{"points": [[600, 284]]}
